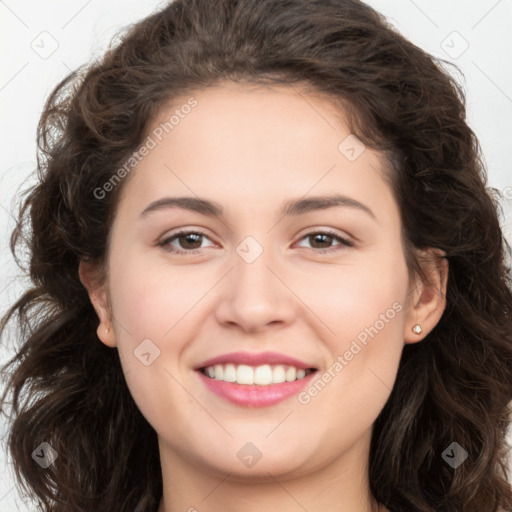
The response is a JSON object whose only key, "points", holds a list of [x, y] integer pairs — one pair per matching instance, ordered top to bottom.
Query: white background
{"points": [[79, 30]]}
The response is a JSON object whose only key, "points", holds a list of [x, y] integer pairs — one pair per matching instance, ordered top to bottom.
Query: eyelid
{"points": [[328, 231], [165, 241], [344, 241]]}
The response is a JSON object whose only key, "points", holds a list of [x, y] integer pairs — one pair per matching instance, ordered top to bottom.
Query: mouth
{"points": [[262, 375], [255, 379]]}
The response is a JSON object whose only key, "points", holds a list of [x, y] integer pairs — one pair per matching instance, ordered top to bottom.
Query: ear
{"points": [[88, 273], [428, 296]]}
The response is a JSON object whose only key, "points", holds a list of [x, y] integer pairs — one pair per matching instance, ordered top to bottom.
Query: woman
{"points": [[343, 341]]}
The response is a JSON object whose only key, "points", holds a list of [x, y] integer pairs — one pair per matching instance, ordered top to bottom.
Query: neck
{"points": [[341, 485]]}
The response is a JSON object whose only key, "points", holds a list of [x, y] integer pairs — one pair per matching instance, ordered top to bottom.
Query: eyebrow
{"points": [[290, 208]]}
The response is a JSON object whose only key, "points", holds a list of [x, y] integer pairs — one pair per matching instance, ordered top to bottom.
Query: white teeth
{"points": [[219, 372], [229, 373], [244, 374], [278, 374], [291, 374], [263, 375]]}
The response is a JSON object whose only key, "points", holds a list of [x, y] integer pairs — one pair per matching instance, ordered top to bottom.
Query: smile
{"points": [[263, 375]]}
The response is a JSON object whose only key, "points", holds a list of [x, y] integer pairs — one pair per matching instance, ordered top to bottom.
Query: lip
{"points": [[255, 359], [253, 395]]}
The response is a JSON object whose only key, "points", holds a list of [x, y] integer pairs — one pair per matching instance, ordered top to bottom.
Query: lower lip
{"points": [[253, 395]]}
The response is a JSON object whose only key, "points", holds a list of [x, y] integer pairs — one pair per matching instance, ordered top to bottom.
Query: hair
{"points": [[68, 388]]}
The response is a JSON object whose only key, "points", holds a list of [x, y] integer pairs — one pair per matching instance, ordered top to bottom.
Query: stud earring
{"points": [[417, 329], [106, 330]]}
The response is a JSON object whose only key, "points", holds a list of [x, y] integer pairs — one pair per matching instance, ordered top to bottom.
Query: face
{"points": [[276, 285]]}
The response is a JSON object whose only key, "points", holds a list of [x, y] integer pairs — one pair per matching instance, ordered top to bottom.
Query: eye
{"points": [[325, 238], [190, 241]]}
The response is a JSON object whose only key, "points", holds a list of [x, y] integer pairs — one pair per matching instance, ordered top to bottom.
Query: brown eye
{"points": [[322, 241], [189, 242]]}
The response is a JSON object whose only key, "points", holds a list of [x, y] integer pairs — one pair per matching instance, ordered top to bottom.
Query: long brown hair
{"points": [[68, 388]]}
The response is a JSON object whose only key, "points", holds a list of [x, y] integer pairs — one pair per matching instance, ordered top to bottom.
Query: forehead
{"points": [[252, 143]]}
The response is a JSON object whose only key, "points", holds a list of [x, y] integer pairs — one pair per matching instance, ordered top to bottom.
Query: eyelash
{"points": [[165, 243]]}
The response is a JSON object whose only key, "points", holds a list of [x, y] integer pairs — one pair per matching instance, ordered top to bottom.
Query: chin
{"points": [[248, 461]]}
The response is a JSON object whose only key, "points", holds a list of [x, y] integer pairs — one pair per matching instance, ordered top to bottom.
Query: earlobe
{"points": [[88, 273], [429, 301], [106, 335]]}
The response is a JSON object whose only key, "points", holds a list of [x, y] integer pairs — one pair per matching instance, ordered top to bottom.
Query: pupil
{"points": [[318, 236], [188, 237]]}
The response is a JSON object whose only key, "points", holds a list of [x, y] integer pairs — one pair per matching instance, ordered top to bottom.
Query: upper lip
{"points": [[254, 359]]}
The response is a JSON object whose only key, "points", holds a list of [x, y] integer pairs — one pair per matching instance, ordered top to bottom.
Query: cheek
{"points": [[351, 298], [151, 299], [149, 305], [153, 306], [363, 306]]}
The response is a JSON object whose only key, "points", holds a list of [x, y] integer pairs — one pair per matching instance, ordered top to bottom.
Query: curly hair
{"points": [[68, 389]]}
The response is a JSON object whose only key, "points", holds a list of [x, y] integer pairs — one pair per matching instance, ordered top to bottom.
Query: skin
{"points": [[250, 150]]}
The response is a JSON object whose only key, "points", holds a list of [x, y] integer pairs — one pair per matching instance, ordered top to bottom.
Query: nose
{"points": [[256, 295]]}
